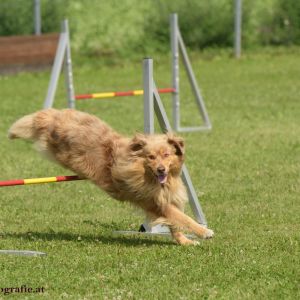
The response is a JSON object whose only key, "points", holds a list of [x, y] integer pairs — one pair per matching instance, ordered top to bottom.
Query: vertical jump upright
{"points": [[177, 45], [63, 55], [153, 103]]}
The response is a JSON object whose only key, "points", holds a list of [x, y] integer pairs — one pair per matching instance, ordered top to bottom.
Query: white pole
{"points": [[238, 28], [57, 66], [68, 67], [175, 70], [148, 96]]}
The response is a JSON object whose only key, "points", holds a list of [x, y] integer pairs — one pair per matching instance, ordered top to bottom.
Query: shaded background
{"points": [[129, 27]]}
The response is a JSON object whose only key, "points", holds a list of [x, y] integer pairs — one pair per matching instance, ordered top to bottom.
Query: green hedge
{"points": [[17, 16], [124, 27]]}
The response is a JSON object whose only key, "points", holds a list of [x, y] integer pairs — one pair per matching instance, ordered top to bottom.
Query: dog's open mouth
{"points": [[162, 178]]}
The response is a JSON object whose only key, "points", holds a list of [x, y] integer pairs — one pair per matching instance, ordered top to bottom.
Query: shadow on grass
{"points": [[127, 240]]}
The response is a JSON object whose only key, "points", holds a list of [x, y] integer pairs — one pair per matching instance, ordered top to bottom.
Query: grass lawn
{"points": [[246, 172]]}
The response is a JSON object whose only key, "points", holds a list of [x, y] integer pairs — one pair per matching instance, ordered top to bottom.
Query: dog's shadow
{"points": [[136, 240]]}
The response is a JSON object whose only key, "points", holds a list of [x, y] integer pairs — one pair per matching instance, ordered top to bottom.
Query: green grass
{"points": [[246, 173]]}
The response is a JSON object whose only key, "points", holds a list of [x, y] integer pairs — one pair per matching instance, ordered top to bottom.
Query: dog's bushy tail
{"points": [[22, 128]]}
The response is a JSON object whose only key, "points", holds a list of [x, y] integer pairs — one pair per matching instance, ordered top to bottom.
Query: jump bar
{"points": [[120, 94], [39, 180]]}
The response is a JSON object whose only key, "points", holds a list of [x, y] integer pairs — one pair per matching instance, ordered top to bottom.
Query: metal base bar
{"points": [[193, 129], [158, 230], [143, 233], [150, 234], [23, 252]]}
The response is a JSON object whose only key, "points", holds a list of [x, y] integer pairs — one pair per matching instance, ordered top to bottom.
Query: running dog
{"points": [[143, 170]]}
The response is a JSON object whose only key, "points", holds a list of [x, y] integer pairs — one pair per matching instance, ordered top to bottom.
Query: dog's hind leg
{"points": [[177, 218]]}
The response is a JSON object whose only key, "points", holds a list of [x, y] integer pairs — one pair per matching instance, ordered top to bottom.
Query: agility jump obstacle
{"points": [[63, 55], [152, 106]]}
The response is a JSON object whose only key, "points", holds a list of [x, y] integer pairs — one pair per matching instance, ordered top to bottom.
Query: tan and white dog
{"points": [[144, 170]]}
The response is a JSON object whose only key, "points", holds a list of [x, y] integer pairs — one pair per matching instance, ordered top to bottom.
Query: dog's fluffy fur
{"points": [[144, 170]]}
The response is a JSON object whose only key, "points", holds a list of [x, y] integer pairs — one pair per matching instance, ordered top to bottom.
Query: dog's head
{"points": [[162, 155]]}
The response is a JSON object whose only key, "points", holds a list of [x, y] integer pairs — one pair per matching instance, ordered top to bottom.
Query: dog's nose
{"points": [[161, 169]]}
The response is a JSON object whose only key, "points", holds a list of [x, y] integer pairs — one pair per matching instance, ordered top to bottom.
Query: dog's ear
{"points": [[138, 142], [177, 142]]}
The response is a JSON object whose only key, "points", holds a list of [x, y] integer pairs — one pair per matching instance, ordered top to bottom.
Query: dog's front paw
{"points": [[208, 234], [189, 242], [195, 243]]}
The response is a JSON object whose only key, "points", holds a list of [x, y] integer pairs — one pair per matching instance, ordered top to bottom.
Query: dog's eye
{"points": [[166, 155], [152, 157]]}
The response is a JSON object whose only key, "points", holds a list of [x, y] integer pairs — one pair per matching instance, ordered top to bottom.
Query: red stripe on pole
{"points": [[166, 90], [121, 94], [84, 96], [68, 178], [12, 182]]}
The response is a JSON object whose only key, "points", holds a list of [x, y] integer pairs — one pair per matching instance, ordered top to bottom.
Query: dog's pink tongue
{"points": [[162, 178]]}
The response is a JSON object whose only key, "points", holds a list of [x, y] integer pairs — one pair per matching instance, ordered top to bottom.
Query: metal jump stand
{"points": [[177, 47], [63, 55], [153, 103]]}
